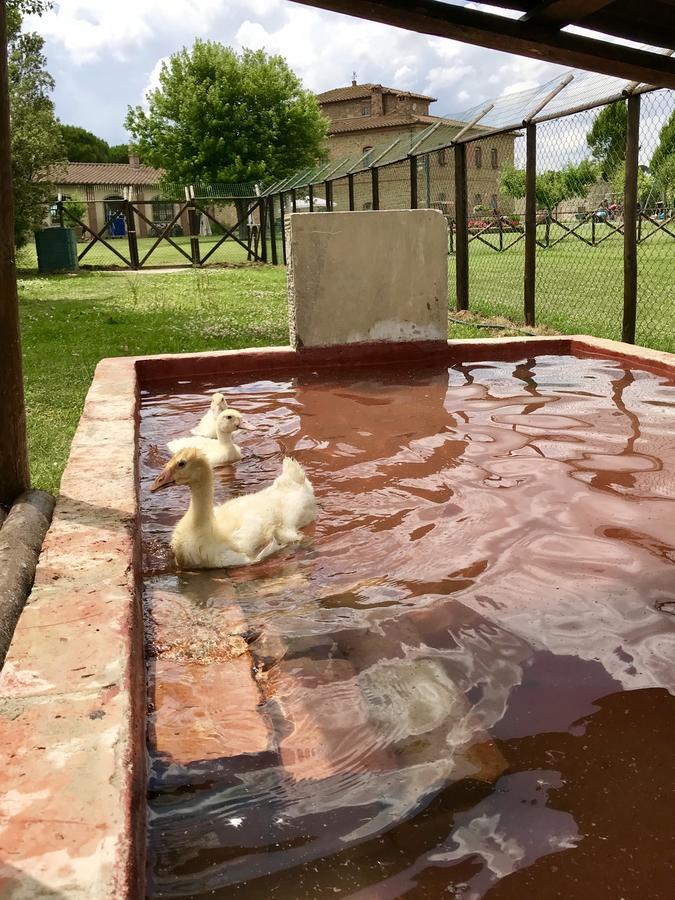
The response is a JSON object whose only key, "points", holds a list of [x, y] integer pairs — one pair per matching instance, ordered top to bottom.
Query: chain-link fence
{"points": [[600, 221]]}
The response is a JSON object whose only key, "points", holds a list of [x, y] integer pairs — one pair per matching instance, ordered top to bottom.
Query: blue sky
{"points": [[104, 55]]}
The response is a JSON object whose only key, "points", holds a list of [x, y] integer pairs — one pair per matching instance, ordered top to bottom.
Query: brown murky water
{"points": [[461, 683]]}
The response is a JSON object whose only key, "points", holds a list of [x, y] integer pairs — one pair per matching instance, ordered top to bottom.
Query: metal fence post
{"points": [[375, 177], [413, 182], [630, 201], [462, 229], [530, 268]]}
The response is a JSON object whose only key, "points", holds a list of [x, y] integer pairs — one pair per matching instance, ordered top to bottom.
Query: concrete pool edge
{"points": [[72, 693]]}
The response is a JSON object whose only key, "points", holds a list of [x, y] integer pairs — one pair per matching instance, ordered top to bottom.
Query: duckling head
{"points": [[218, 403], [228, 421], [188, 466]]}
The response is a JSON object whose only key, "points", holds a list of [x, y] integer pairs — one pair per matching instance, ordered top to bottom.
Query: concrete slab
{"points": [[355, 277]]}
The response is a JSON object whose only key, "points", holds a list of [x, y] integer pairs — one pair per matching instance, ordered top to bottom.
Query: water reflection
{"points": [[418, 700]]}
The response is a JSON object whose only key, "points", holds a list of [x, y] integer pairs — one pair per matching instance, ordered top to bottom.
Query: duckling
{"points": [[207, 425], [221, 450], [242, 531]]}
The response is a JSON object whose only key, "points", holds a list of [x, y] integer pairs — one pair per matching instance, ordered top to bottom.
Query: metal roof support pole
{"points": [[14, 476]]}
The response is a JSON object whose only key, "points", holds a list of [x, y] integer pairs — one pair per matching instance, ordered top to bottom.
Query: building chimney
{"points": [[353, 79], [376, 102], [134, 161]]}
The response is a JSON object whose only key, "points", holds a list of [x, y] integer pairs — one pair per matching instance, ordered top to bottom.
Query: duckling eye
{"points": [[181, 464]]}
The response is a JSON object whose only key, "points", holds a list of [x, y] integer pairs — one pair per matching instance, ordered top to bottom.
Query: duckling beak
{"points": [[164, 478]]}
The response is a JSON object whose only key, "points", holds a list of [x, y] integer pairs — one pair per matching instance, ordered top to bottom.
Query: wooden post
{"points": [[375, 177], [413, 182], [350, 187], [328, 194], [311, 198], [294, 199], [630, 201], [262, 212], [282, 214], [462, 229], [593, 229], [273, 232], [501, 233], [194, 236], [132, 237], [530, 269], [14, 477]]}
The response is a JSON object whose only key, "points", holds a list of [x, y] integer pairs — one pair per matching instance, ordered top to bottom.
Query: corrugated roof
{"points": [[358, 91], [104, 173]]}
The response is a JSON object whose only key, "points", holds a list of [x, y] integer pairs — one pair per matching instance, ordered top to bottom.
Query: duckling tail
{"points": [[291, 473]]}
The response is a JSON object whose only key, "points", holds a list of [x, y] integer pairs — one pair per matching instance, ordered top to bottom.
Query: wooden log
{"points": [[630, 201], [530, 268], [14, 476], [21, 538]]}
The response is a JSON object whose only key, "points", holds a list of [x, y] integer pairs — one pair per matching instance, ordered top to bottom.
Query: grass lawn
{"points": [[70, 322]]}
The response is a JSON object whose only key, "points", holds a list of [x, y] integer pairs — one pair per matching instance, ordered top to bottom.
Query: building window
{"points": [[366, 110], [367, 155], [442, 157], [478, 157], [494, 158], [477, 200], [162, 213]]}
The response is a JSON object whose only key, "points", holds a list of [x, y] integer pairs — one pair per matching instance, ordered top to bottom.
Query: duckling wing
{"points": [[206, 427], [206, 445]]}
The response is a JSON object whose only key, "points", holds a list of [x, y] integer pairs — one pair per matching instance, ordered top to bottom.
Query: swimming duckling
{"points": [[207, 425], [220, 450], [244, 530]]}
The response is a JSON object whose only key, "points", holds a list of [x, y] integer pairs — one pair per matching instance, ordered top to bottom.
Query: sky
{"points": [[104, 55]]}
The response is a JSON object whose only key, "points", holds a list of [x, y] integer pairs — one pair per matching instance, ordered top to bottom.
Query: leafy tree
{"points": [[219, 116], [36, 137], [607, 138], [666, 145], [82, 146], [118, 153], [664, 179], [552, 187]]}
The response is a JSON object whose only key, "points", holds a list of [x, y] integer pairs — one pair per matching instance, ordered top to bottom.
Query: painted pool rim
{"points": [[64, 687]]}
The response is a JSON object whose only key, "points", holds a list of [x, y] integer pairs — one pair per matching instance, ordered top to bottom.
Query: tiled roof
{"points": [[357, 91], [367, 123], [104, 173]]}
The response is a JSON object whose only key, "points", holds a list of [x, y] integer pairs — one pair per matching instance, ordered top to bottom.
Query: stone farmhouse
{"points": [[366, 117]]}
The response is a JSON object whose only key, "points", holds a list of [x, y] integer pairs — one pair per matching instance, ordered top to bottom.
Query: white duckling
{"points": [[207, 425], [220, 450], [244, 530]]}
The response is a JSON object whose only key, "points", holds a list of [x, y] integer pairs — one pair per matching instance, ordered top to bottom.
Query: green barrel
{"points": [[56, 250]]}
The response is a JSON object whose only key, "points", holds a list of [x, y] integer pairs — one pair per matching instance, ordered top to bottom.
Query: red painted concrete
{"points": [[72, 693]]}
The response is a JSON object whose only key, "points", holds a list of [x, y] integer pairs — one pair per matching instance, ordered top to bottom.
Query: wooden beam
{"points": [[563, 12], [532, 39], [630, 215], [462, 229], [530, 267], [14, 477]]}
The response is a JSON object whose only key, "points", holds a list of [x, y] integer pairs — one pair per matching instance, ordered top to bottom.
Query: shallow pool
{"points": [[462, 681]]}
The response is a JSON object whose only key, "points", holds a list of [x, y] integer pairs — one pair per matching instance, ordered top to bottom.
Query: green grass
{"points": [[579, 288], [70, 322]]}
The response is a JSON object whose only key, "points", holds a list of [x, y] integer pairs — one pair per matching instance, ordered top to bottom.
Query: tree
{"points": [[218, 116], [36, 138], [607, 138], [81, 145], [666, 145], [118, 153], [553, 186]]}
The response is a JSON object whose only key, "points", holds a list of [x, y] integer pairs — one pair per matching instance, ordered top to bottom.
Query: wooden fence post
{"points": [[375, 178], [413, 182], [350, 187], [328, 194], [311, 198], [294, 199], [630, 201], [262, 213], [282, 214], [462, 229], [273, 232], [194, 236], [132, 237], [530, 269], [14, 477]]}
